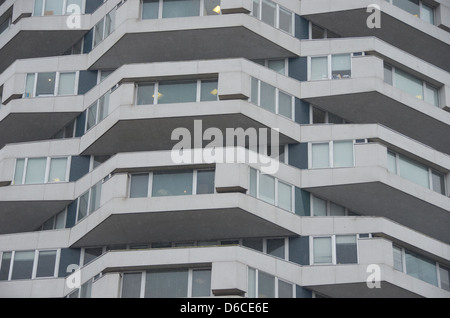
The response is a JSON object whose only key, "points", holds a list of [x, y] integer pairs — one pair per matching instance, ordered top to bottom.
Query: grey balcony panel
{"points": [[352, 23], [183, 45], [374, 107], [155, 133], [379, 199], [25, 216], [182, 225], [360, 290]]}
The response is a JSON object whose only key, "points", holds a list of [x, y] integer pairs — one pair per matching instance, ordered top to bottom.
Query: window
{"points": [[55, 7], [417, 8], [154, 9], [273, 14], [4, 26], [104, 27], [317, 32], [330, 67], [51, 84], [411, 85], [177, 92], [272, 99], [97, 111], [334, 154], [41, 170], [416, 172], [172, 183], [271, 190], [89, 201], [321, 207], [275, 247], [335, 249], [91, 253], [46, 264], [23, 265], [5, 266], [421, 267], [167, 283], [263, 285]]}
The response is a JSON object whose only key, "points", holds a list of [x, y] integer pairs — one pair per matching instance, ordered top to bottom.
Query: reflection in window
{"points": [[273, 14], [172, 183]]}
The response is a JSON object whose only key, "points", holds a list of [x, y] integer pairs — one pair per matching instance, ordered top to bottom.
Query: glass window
{"points": [[38, 6], [411, 6], [53, 7], [212, 7], [180, 8], [150, 9], [255, 10], [268, 12], [427, 13], [285, 20], [109, 23], [98, 32], [317, 32], [278, 66], [341, 66], [319, 68], [388, 74], [408, 83], [45, 84], [66, 84], [29, 86], [209, 91], [255, 91], [177, 92], [145, 94], [431, 95], [267, 100], [285, 105], [103, 107], [91, 116], [318, 116], [343, 154], [320, 155], [392, 162], [35, 170], [57, 170], [414, 171], [18, 173], [205, 181], [253, 182], [438, 182], [172, 183], [139, 186], [267, 188], [284, 196], [95, 197], [83, 206], [319, 207], [336, 210], [60, 220], [253, 243], [275, 247], [346, 249], [322, 250], [91, 253], [398, 258], [46, 264], [5, 265], [23, 265], [421, 268], [444, 274], [166, 283], [201, 283], [131, 285], [266, 285], [86, 289], [284, 289], [251, 292]]}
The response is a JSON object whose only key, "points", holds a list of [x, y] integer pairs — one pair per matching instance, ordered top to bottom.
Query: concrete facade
{"points": [[362, 176]]}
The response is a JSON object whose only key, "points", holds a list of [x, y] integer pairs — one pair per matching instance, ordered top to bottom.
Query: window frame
{"points": [[421, 4], [64, 5], [278, 7], [160, 11], [329, 66], [56, 86], [331, 164], [47, 170], [328, 207], [333, 249], [276, 284]]}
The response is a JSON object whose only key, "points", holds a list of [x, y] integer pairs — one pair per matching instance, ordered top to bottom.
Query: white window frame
{"points": [[160, 10], [420, 10], [65, 12], [277, 16], [329, 66], [56, 88], [330, 154], [47, 169], [429, 170], [328, 206], [88, 213], [333, 249], [276, 279]]}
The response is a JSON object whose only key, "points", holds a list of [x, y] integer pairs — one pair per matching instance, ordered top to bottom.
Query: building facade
{"points": [[232, 148]]}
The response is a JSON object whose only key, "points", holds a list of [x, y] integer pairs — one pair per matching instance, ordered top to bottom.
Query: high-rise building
{"points": [[233, 148]]}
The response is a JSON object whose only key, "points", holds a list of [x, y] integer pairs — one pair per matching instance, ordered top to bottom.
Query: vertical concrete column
{"points": [[228, 278]]}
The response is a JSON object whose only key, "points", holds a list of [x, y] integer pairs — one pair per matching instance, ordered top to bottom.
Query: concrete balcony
{"points": [[348, 18], [366, 98]]}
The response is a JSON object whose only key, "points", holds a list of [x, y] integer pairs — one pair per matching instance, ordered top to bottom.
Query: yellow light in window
{"points": [[217, 9], [214, 92], [159, 96], [419, 96], [56, 180]]}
